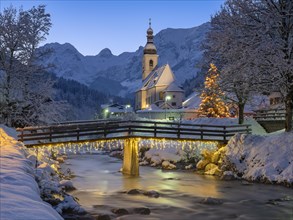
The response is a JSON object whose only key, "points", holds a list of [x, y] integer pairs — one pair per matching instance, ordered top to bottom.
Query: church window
{"points": [[151, 63], [161, 96], [173, 104]]}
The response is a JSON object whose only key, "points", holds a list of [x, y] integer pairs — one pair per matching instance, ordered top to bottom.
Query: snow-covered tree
{"points": [[252, 40], [228, 44], [275, 46], [26, 89], [212, 104]]}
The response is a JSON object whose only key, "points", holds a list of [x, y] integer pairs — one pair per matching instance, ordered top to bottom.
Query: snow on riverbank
{"points": [[267, 159], [19, 192]]}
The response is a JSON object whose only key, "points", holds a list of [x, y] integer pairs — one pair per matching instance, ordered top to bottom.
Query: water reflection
{"points": [[100, 188]]}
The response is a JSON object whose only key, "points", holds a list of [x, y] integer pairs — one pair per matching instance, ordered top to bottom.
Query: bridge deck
{"points": [[106, 130]]}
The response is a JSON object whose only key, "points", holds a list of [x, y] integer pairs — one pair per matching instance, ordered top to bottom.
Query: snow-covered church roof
{"points": [[159, 76], [173, 87]]}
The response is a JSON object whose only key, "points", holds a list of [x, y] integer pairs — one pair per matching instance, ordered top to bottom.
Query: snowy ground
{"points": [[19, 192]]}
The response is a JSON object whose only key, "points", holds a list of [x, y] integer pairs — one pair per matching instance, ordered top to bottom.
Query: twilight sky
{"points": [[92, 25]]}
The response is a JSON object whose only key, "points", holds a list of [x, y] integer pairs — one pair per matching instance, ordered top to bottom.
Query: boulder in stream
{"points": [[134, 192], [152, 193], [211, 201], [120, 211], [142, 211], [103, 217]]}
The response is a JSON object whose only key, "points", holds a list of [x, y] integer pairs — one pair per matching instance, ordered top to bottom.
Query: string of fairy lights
{"points": [[118, 144]]}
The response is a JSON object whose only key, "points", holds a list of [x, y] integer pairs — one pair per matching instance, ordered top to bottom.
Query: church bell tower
{"points": [[150, 57]]}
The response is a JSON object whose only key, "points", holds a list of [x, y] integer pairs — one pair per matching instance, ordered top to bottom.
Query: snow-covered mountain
{"points": [[122, 74]]}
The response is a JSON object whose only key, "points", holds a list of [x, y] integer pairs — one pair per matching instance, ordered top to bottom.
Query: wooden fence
{"points": [[277, 114], [104, 130]]}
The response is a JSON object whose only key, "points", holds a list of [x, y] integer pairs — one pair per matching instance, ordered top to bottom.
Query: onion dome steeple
{"points": [[150, 47]]}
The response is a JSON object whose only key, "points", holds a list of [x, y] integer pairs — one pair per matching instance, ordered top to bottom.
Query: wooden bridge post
{"points": [[105, 129], [178, 131], [201, 133], [225, 133], [22, 135], [50, 135], [130, 157]]}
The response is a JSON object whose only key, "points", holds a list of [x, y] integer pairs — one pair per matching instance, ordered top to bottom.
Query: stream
{"points": [[182, 194]]}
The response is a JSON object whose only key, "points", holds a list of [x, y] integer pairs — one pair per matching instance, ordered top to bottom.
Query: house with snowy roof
{"points": [[158, 86], [115, 110]]}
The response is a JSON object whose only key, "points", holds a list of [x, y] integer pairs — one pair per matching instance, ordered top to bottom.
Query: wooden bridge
{"points": [[271, 120], [129, 131]]}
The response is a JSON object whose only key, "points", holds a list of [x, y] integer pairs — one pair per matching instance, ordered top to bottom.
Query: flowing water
{"points": [[101, 188]]}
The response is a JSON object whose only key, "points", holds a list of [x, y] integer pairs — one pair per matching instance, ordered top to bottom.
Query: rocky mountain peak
{"points": [[105, 53]]}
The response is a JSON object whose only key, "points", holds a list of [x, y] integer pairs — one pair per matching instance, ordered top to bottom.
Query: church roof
{"points": [[150, 48], [160, 76], [153, 77], [173, 87]]}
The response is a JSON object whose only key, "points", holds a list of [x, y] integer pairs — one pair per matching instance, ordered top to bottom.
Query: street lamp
{"points": [[167, 98], [127, 108], [106, 112]]}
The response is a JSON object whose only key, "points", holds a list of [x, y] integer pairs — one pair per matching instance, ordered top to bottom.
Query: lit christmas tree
{"points": [[212, 104]]}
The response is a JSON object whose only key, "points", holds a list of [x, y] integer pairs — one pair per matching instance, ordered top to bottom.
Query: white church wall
{"points": [[175, 97], [171, 114]]}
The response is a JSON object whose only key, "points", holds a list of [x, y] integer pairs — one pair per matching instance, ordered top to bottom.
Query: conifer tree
{"points": [[212, 104]]}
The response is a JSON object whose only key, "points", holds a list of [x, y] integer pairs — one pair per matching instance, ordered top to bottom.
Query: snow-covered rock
{"points": [[158, 155], [261, 158], [202, 164], [168, 166], [190, 166], [45, 167], [228, 175], [67, 184], [69, 204]]}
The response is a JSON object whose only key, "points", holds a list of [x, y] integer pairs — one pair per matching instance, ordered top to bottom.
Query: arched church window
{"points": [[151, 63], [161, 96]]}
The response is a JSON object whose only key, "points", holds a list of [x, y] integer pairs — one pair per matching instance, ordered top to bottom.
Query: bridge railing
{"points": [[270, 114], [103, 130]]}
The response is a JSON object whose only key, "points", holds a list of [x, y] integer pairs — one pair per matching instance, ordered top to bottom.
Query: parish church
{"points": [[158, 89]]}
